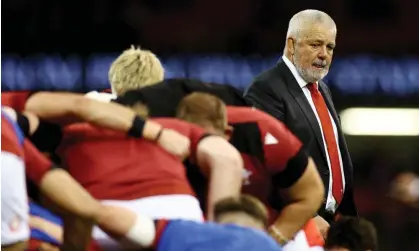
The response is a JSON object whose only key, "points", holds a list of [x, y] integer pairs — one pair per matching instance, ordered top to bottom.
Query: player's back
{"points": [[163, 99], [237, 114], [261, 140], [112, 166], [193, 236]]}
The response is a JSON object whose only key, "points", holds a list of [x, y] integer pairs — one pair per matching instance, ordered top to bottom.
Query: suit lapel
{"points": [[302, 101], [329, 103]]}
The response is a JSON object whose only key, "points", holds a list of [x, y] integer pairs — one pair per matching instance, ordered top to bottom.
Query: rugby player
{"points": [[173, 90], [14, 147], [19, 156], [274, 160], [140, 175], [241, 226]]}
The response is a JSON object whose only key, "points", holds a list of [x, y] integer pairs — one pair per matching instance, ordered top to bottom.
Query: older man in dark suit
{"points": [[292, 91]]}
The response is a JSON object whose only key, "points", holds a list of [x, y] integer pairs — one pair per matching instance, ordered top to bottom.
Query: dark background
{"points": [[201, 26], [377, 65]]}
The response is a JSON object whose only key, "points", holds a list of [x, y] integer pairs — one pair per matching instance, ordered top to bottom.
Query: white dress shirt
{"points": [[331, 204]]}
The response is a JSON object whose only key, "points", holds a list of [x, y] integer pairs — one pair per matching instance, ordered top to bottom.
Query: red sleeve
{"points": [[284, 155], [36, 164]]}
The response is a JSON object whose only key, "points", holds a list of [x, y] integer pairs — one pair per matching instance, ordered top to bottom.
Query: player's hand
{"points": [[174, 143], [322, 225]]}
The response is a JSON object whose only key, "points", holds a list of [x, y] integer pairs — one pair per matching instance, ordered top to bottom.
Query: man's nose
{"points": [[322, 52]]}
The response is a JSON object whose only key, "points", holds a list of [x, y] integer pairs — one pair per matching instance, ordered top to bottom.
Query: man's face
{"points": [[313, 52]]}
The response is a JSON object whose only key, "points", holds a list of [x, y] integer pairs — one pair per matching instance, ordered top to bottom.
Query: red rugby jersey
{"points": [[267, 148], [36, 164], [111, 165]]}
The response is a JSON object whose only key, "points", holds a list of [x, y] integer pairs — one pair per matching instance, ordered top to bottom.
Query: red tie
{"points": [[329, 137]]}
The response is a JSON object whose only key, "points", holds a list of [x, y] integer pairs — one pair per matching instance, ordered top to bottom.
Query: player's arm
{"points": [[67, 108], [221, 163], [296, 177], [57, 184], [66, 193], [131, 229]]}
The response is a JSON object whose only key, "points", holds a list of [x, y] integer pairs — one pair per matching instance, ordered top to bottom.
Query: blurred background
{"points": [[69, 45]]}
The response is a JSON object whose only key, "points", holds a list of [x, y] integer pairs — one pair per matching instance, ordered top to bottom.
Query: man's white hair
{"points": [[305, 19]]}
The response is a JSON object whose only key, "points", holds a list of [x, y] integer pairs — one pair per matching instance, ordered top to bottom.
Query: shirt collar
{"points": [[301, 82]]}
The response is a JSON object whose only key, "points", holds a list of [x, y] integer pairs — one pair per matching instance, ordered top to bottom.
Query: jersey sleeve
{"points": [[284, 155], [37, 165]]}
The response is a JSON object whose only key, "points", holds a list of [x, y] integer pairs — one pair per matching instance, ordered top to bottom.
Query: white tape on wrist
{"points": [[143, 232]]}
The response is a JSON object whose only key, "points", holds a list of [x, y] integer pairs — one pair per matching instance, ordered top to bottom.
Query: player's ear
{"points": [[228, 131]]}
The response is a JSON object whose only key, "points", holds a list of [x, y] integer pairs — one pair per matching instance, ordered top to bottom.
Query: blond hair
{"points": [[134, 69]]}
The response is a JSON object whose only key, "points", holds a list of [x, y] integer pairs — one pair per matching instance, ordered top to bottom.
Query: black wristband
{"points": [[23, 123], [137, 127]]}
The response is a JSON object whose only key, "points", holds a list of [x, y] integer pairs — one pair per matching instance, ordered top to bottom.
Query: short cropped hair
{"points": [[134, 69], [203, 109], [247, 204], [355, 234]]}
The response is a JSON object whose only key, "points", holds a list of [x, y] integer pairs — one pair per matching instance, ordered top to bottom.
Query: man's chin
{"points": [[315, 77]]}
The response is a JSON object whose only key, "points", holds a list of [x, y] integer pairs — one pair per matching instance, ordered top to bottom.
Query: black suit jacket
{"points": [[278, 93]]}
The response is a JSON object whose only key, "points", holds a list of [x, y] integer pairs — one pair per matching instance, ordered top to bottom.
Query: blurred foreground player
{"points": [[60, 109], [246, 138], [211, 152], [19, 156], [274, 160], [38, 167], [140, 175], [242, 221], [351, 234]]}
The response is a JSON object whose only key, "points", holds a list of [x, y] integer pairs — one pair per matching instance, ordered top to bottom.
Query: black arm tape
{"points": [[23, 123], [137, 127], [47, 136], [293, 171]]}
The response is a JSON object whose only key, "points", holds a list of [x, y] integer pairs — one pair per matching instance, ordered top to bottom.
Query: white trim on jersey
{"points": [[169, 207]]}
